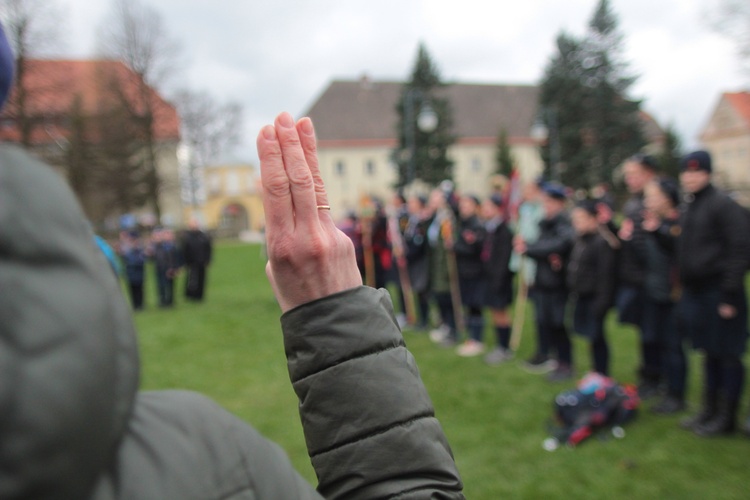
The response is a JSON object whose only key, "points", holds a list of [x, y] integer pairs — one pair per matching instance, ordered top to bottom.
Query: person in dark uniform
{"points": [[638, 171], [397, 219], [441, 237], [469, 243], [196, 252], [551, 252], [133, 255], [417, 256], [712, 258], [167, 262], [591, 281], [661, 286], [498, 294]]}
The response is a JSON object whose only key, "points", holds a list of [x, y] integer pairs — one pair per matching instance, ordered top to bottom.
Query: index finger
{"points": [[277, 198]]}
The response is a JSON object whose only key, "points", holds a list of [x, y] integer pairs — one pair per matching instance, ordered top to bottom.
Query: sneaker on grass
{"points": [[440, 334], [470, 348], [498, 356], [540, 364], [668, 406]]}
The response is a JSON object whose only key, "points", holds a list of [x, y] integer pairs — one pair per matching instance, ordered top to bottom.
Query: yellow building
{"points": [[233, 206]]}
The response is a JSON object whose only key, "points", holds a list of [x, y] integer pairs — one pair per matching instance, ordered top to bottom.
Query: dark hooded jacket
{"points": [[75, 426]]}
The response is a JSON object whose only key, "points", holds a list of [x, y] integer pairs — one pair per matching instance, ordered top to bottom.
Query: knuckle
{"points": [[299, 175], [275, 187], [319, 248], [281, 251]]}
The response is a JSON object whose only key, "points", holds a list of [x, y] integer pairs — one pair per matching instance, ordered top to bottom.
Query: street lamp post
{"points": [[426, 121], [545, 129]]}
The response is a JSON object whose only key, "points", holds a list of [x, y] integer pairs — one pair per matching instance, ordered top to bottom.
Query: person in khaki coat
{"points": [[75, 425]]}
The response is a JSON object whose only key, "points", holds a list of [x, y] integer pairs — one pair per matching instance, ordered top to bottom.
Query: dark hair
{"points": [[646, 161], [670, 188], [473, 198], [589, 205]]}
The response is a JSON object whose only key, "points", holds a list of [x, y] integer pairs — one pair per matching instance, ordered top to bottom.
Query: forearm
{"points": [[362, 401]]}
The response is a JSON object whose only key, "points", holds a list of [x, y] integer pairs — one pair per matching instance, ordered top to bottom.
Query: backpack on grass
{"points": [[597, 404]]}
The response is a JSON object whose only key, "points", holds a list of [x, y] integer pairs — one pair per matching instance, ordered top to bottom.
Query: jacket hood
{"points": [[68, 354]]}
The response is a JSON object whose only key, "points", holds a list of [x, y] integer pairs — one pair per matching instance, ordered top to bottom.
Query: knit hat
{"points": [[6, 67], [697, 160]]}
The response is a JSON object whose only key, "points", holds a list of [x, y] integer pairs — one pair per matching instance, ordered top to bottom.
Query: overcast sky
{"points": [[279, 55]]}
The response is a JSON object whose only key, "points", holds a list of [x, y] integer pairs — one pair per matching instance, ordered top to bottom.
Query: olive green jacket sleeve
{"points": [[369, 423]]}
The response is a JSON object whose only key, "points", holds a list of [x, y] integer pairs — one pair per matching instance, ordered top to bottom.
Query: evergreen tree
{"points": [[586, 85], [423, 153], [503, 157], [669, 159]]}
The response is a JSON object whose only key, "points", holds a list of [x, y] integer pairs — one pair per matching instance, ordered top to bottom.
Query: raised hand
{"points": [[309, 258]]}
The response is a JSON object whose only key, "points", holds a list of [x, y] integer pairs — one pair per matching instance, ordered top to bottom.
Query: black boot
{"points": [[648, 387], [704, 415], [724, 422], [746, 425]]}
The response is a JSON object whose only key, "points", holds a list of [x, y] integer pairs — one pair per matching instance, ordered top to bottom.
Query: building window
{"points": [[476, 164], [370, 167], [340, 168], [214, 184], [233, 187]]}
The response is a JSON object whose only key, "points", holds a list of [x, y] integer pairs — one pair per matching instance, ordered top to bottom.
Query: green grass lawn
{"points": [[230, 348]]}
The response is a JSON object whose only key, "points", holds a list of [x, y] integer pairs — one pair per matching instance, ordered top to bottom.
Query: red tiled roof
{"points": [[54, 85], [740, 101]]}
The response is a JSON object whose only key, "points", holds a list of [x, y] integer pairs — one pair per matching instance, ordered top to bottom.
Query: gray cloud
{"points": [[274, 56]]}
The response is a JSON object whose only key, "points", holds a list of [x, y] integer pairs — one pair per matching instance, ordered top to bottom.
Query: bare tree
{"points": [[732, 19], [32, 27], [134, 34], [209, 129]]}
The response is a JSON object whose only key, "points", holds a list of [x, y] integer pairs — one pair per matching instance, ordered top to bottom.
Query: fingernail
{"points": [[286, 120], [306, 126], [269, 133]]}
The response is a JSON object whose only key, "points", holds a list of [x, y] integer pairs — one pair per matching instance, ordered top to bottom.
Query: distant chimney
{"points": [[364, 82]]}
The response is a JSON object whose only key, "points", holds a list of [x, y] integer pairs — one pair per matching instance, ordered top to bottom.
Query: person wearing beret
{"points": [[551, 252], [712, 256]]}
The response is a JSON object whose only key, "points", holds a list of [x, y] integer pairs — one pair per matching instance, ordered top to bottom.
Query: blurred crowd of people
{"points": [[170, 256], [671, 261]]}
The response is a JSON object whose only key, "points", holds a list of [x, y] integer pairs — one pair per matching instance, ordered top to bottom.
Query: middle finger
{"points": [[301, 182]]}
